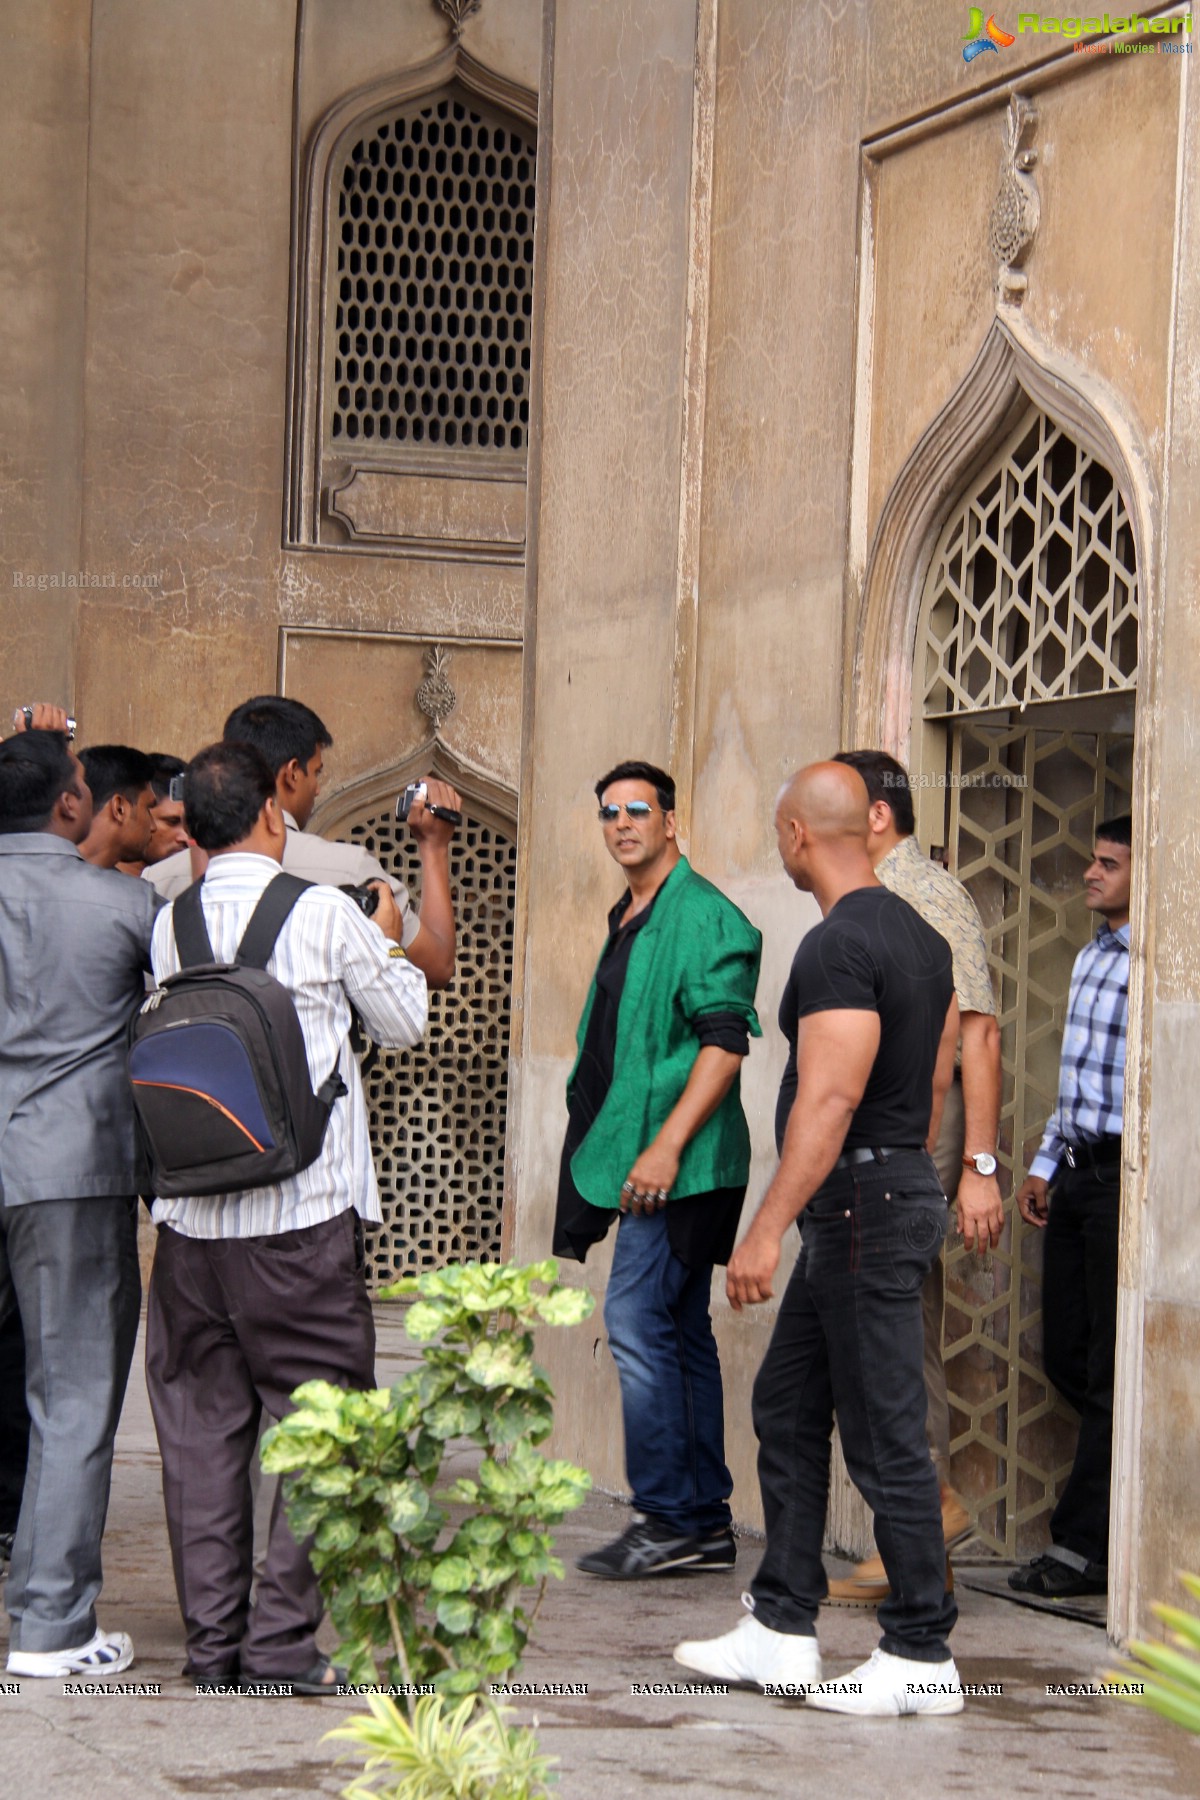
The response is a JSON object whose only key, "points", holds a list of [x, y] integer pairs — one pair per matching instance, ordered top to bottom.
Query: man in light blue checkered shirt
{"points": [[1073, 1192]]}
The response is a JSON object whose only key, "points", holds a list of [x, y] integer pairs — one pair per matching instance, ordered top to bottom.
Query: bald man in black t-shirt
{"points": [[871, 1023]]}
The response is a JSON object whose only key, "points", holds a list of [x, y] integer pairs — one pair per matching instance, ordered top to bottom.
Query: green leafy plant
{"points": [[436, 1596], [1170, 1677], [443, 1753]]}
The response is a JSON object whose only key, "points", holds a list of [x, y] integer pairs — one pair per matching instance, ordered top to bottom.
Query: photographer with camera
{"points": [[293, 740]]}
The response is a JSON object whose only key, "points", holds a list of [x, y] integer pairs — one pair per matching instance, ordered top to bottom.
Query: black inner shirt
{"points": [[701, 1228]]}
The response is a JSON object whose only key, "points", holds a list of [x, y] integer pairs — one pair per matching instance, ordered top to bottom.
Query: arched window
{"points": [[431, 297], [409, 419], [1032, 593]]}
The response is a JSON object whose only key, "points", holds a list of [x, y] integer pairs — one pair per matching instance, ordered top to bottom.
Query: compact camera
{"points": [[27, 711], [417, 790], [365, 897]]}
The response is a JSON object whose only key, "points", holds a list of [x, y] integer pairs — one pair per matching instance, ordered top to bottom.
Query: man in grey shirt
{"points": [[294, 740], [74, 945]]}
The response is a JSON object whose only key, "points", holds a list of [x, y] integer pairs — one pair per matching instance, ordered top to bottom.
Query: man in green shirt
{"points": [[656, 1137]]}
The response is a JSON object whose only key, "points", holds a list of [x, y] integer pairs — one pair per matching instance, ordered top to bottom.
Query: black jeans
{"points": [[1079, 1326], [849, 1340]]}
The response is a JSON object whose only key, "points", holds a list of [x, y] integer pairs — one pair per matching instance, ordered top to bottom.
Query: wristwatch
{"points": [[983, 1164]]}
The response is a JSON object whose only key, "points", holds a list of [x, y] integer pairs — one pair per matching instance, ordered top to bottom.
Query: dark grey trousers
{"points": [[72, 1268], [233, 1326]]}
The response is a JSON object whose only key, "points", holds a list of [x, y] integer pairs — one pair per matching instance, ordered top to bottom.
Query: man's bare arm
{"points": [[433, 948], [835, 1052], [943, 1072], [711, 1078], [979, 1205]]}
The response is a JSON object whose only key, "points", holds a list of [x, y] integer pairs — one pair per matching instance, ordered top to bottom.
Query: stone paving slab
{"points": [[607, 1639]]}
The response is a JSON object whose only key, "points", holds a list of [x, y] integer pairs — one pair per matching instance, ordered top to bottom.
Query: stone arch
{"points": [[454, 69], [1011, 371], [438, 1112]]}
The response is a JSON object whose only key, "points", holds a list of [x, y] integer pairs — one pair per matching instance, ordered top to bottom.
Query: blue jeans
{"points": [[660, 1334], [849, 1340]]}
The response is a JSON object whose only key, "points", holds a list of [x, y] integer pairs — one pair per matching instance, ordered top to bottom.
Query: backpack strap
{"points": [[267, 919], [191, 933]]}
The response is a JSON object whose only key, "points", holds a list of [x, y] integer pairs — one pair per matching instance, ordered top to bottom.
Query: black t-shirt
{"points": [[874, 954]]}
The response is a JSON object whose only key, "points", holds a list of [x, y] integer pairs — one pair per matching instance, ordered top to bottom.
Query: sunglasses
{"points": [[633, 809]]}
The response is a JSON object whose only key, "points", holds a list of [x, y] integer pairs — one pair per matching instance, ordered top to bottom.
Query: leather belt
{"points": [[876, 1153], [1100, 1154]]}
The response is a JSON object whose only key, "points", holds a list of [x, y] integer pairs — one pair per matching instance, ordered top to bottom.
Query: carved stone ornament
{"points": [[458, 12], [1017, 208], [435, 696]]}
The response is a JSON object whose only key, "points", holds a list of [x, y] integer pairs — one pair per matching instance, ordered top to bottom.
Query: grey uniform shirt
{"points": [[327, 861], [74, 945]]}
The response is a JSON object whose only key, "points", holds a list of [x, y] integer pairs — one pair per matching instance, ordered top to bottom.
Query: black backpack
{"points": [[218, 1064]]}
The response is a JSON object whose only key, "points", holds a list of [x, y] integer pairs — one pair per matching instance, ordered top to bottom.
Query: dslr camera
{"points": [[364, 896]]}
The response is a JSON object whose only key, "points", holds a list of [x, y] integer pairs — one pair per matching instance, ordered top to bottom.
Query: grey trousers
{"points": [[947, 1157], [71, 1267], [233, 1326]]}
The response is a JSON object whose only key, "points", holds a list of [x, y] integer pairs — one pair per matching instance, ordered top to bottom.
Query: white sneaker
{"points": [[107, 1654], [751, 1655], [887, 1685]]}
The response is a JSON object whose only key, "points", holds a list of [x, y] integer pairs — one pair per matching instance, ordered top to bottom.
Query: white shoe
{"points": [[107, 1654], [751, 1655], [887, 1685]]}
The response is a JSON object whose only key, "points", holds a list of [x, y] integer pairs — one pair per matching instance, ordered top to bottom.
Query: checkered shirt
{"points": [[1091, 1075]]}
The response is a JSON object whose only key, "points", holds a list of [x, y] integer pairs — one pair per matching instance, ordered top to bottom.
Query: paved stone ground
{"points": [[610, 1741]]}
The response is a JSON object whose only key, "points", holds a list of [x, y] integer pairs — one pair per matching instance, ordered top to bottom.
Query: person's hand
{"points": [[45, 718], [425, 827], [387, 914], [650, 1180], [1031, 1201], [980, 1210], [751, 1271]]}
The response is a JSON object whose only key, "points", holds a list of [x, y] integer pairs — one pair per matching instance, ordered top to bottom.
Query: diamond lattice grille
{"points": [[434, 240], [1033, 588], [438, 1112]]}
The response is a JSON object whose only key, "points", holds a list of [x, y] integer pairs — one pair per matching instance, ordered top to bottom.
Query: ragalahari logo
{"points": [[984, 37]]}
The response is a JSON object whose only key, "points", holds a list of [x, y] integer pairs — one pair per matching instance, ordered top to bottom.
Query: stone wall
{"points": [[765, 271]]}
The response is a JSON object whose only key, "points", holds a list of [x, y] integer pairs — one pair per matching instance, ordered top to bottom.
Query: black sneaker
{"points": [[648, 1548], [714, 1552], [1052, 1579]]}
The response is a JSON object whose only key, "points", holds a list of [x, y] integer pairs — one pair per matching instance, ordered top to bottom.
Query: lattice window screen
{"points": [[434, 236], [1033, 589], [1023, 808], [438, 1112]]}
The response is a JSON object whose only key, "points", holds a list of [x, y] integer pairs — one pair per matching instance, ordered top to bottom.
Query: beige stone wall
{"points": [[43, 151], [830, 182], [147, 440], [1158, 1470]]}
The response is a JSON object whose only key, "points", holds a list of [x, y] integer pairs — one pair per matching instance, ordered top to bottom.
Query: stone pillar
{"points": [[44, 98], [604, 478], [1156, 1475]]}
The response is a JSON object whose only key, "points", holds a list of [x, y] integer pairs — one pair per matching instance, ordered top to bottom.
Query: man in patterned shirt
{"points": [[964, 1143], [1073, 1193]]}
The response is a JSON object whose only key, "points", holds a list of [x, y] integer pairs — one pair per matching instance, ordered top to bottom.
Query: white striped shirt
{"points": [[326, 955]]}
